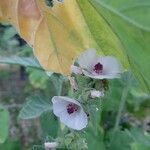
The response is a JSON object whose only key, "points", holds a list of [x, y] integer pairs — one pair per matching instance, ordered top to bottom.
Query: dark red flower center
{"points": [[98, 68], [71, 108]]}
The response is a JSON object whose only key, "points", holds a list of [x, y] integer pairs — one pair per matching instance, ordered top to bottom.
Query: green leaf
{"points": [[129, 21], [104, 36], [24, 61], [38, 78], [58, 85], [113, 95], [34, 107], [4, 124], [49, 125], [140, 136], [121, 140], [94, 141], [10, 145], [137, 146]]}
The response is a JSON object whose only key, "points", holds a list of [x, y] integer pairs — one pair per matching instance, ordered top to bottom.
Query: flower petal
{"points": [[87, 58], [111, 65], [76, 70], [94, 76], [105, 76], [67, 99], [59, 105], [68, 119], [76, 120], [81, 120]]}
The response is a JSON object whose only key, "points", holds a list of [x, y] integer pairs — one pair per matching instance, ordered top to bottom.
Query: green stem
{"points": [[123, 101], [121, 107]]}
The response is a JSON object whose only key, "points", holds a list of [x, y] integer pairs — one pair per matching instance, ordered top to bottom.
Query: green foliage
{"points": [[128, 19], [7, 41], [23, 61], [38, 78], [58, 85], [34, 107], [4, 124], [49, 125], [140, 138], [134, 139], [95, 140], [120, 140], [74, 141], [10, 145], [137, 146]]}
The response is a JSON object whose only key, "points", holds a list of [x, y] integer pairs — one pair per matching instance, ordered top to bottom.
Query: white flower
{"points": [[93, 66], [96, 93], [70, 112], [50, 145]]}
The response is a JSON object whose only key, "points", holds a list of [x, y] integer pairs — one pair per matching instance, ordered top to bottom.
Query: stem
{"points": [[123, 100], [122, 104], [121, 107]]}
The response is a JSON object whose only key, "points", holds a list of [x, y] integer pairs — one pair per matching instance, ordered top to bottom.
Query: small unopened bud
{"points": [[76, 70], [96, 93], [50, 145]]}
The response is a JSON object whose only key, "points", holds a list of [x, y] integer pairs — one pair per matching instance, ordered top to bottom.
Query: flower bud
{"points": [[96, 93], [50, 145]]}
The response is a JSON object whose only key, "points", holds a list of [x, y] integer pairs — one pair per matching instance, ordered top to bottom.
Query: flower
{"points": [[96, 67], [96, 93], [70, 112], [50, 145]]}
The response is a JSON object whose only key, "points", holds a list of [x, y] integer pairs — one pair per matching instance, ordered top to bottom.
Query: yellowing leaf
{"points": [[29, 18], [59, 34], [64, 36]]}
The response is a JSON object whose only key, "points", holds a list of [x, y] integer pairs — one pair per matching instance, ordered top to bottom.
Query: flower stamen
{"points": [[98, 68], [71, 108]]}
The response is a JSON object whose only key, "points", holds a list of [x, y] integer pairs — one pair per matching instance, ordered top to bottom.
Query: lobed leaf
{"points": [[35, 106]]}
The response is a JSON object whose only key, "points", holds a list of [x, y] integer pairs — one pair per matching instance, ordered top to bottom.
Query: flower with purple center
{"points": [[97, 67], [70, 112]]}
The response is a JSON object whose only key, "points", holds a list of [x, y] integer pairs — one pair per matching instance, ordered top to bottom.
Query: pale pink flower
{"points": [[97, 67], [70, 112]]}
